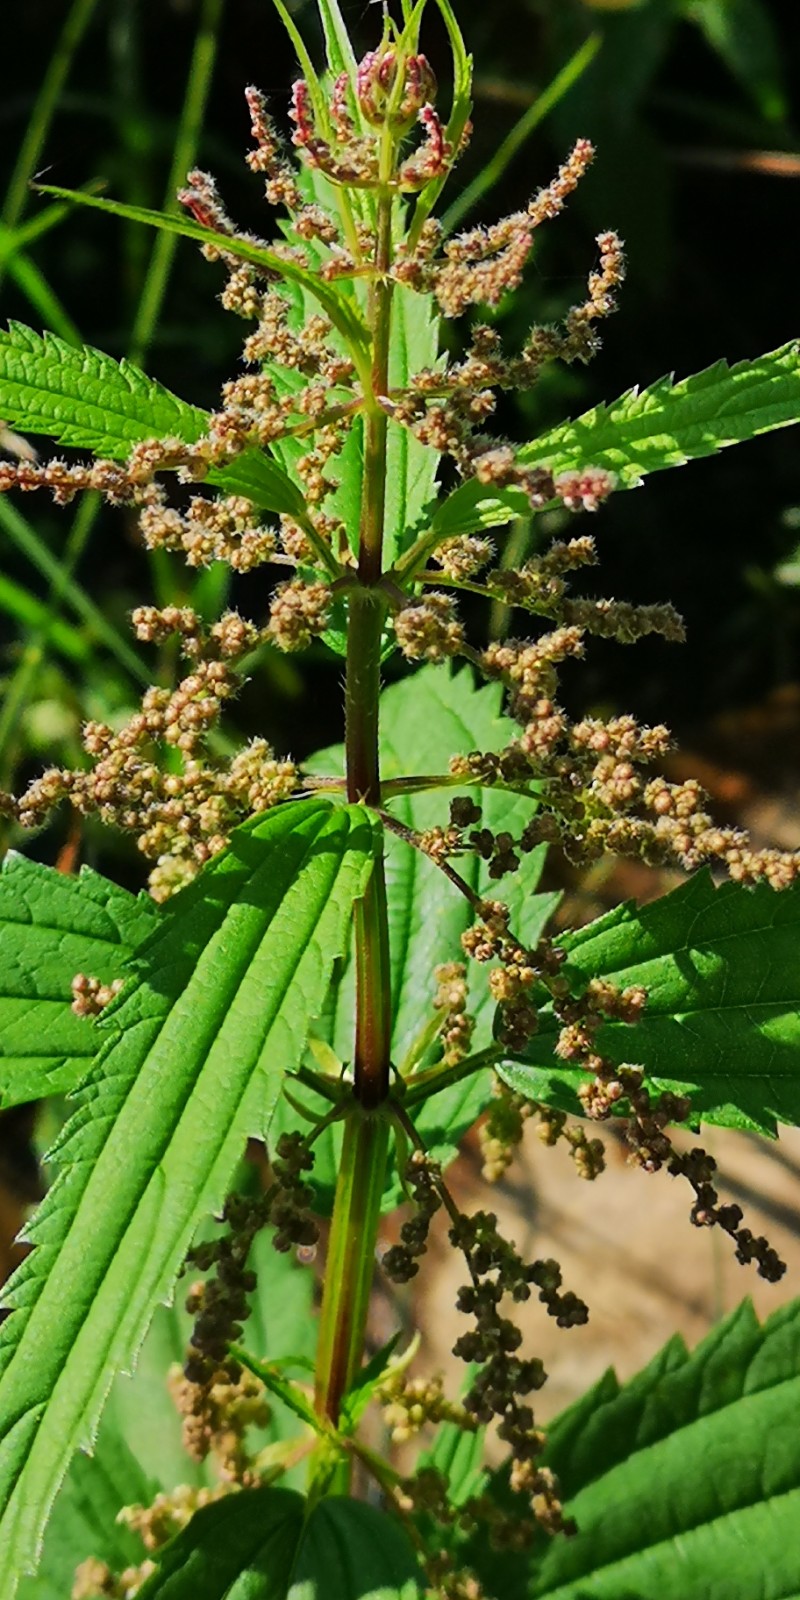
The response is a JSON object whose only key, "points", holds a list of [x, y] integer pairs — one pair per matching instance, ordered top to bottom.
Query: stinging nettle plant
{"points": [[351, 963]]}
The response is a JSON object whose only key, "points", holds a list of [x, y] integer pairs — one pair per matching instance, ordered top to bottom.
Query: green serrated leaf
{"points": [[83, 398], [672, 423], [646, 431], [261, 480], [472, 507], [424, 720], [51, 928], [722, 1022], [192, 1065], [139, 1451], [686, 1482], [84, 1523], [265, 1543], [242, 1546], [351, 1551]]}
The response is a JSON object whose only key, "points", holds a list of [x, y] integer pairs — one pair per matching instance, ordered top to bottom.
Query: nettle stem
{"points": [[362, 694], [356, 1213], [351, 1257]]}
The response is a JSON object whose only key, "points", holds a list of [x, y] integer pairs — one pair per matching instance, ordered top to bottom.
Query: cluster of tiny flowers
{"points": [[391, 93], [300, 386], [448, 409], [298, 611], [427, 628], [594, 793], [181, 818], [499, 850], [511, 983], [90, 996], [451, 1000], [648, 1117], [552, 1125], [502, 1131], [220, 1305], [499, 1390], [409, 1403], [235, 1408], [216, 1418], [424, 1497], [169, 1512], [94, 1580]]}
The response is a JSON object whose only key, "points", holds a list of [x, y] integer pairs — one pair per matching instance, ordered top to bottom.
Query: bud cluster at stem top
{"points": [[392, 90]]}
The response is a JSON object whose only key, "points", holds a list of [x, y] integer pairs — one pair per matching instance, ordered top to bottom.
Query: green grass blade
{"points": [[78, 19], [744, 35], [198, 84], [493, 171], [13, 240], [41, 297], [34, 548], [34, 614], [21, 687]]}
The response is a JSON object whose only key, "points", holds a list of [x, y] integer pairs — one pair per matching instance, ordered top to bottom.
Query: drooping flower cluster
{"points": [[608, 1086], [503, 1129]]}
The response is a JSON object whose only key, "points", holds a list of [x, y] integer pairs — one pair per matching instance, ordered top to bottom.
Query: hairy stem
{"points": [[373, 503], [365, 630], [373, 990]]}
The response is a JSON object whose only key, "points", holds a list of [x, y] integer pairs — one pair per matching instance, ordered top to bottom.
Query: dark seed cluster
{"points": [[648, 1116], [212, 1379], [499, 1392]]}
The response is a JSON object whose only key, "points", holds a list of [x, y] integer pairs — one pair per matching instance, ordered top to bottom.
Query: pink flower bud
{"points": [[376, 87]]}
